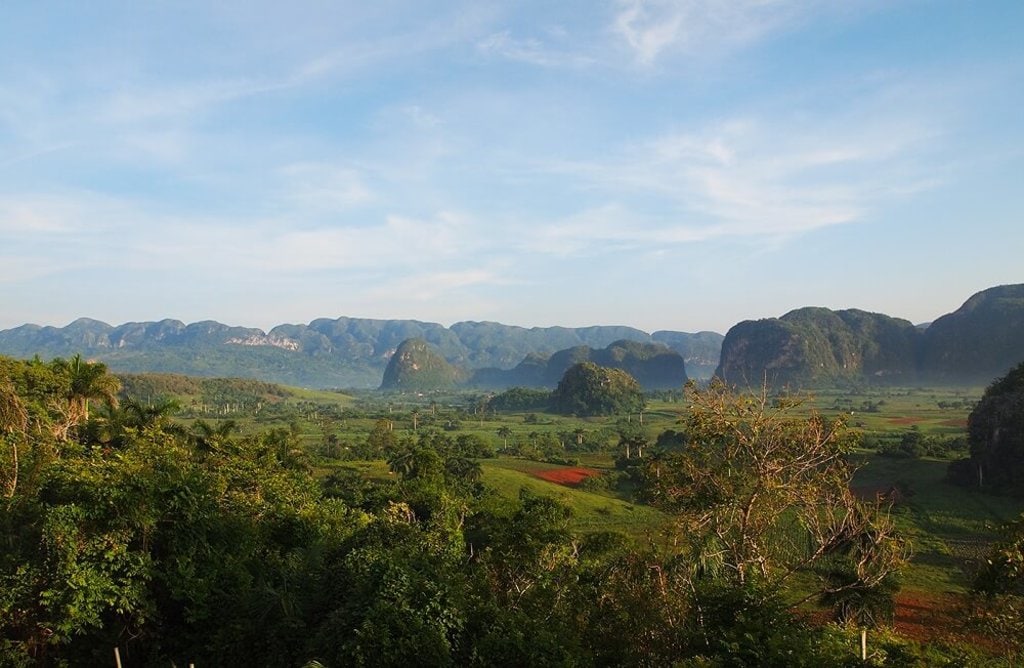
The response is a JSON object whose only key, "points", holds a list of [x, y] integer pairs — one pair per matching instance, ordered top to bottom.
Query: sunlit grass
{"points": [[591, 512]]}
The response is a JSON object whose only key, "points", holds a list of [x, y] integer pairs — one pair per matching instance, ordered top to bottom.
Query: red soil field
{"points": [[905, 420], [568, 476], [925, 616], [928, 617]]}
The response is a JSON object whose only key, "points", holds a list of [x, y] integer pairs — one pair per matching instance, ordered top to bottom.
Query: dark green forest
{"points": [[181, 541]]}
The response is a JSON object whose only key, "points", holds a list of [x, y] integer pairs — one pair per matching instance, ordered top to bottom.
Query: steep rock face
{"points": [[137, 334], [981, 340], [817, 346], [756, 351], [417, 365]]}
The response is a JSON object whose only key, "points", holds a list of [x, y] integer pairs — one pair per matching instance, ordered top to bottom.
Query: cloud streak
{"points": [[651, 29], [532, 51]]}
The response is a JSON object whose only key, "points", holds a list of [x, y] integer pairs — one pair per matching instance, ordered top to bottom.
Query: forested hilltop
{"points": [[812, 347], [346, 352]]}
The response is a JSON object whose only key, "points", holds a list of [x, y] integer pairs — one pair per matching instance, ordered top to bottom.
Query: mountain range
{"points": [[806, 347], [344, 352]]}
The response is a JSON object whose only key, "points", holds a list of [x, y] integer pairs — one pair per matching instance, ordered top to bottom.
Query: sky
{"points": [[662, 164]]}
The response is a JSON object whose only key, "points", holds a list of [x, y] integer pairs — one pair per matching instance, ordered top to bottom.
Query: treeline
{"points": [[156, 387], [123, 529]]}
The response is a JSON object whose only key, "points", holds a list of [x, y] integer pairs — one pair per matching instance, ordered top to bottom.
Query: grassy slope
{"points": [[591, 512], [951, 528]]}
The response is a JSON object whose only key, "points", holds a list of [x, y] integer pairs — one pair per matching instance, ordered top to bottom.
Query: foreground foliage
{"points": [[202, 545]]}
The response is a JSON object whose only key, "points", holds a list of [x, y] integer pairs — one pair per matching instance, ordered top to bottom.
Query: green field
{"points": [[591, 511], [950, 528]]}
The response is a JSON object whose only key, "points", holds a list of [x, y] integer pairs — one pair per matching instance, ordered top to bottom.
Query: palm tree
{"points": [[88, 380], [114, 425], [504, 433], [209, 437], [403, 463], [464, 469]]}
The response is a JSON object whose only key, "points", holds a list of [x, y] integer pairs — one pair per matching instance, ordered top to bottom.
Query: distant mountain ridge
{"points": [[806, 347], [809, 347], [343, 352], [655, 366]]}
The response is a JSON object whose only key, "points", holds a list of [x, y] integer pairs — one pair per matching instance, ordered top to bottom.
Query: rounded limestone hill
{"points": [[417, 366]]}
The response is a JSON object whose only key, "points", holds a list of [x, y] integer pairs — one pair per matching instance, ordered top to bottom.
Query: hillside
{"points": [[981, 340], [818, 347], [344, 352], [416, 365]]}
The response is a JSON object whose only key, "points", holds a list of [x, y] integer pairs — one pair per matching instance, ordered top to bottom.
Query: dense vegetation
{"points": [[979, 341], [818, 346], [417, 366], [588, 389], [996, 434], [191, 541]]}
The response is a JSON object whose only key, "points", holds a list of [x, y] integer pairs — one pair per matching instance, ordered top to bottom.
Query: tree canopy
{"points": [[588, 389], [996, 433], [760, 494]]}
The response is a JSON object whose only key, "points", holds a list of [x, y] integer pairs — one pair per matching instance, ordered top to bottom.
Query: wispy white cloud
{"points": [[652, 28], [645, 34], [533, 51], [360, 53], [145, 103], [420, 117], [746, 177]]}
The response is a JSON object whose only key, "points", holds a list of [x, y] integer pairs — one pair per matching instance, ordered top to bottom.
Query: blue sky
{"points": [[666, 165]]}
